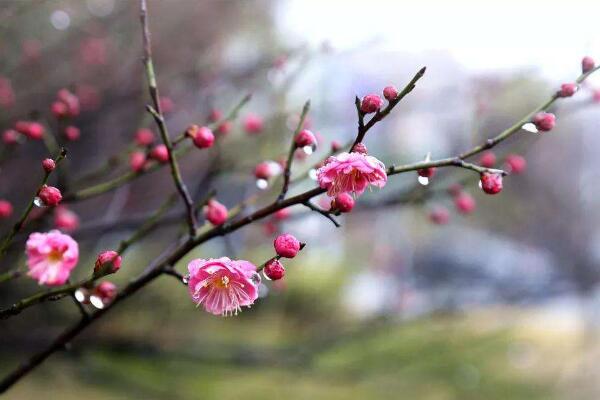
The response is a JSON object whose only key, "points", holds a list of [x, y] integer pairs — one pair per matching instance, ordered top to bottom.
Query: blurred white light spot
{"points": [[101, 8], [60, 20], [530, 127], [308, 150], [312, 174], [423, 180], [262, 184], [80, 295], [97, 302]]}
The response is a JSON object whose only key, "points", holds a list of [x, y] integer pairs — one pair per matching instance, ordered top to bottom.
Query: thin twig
{"points": [[160, 121], [290, 158], [324, 213]]}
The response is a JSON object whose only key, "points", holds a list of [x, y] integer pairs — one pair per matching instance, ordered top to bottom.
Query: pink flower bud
{"points": [[587, 64], [567, 89], [390, 93], [596, 96], [70, 101], [371, 103], [166, 104], [59, 109], [215, 115], [544, 122], [253, 124], [224, 128], [33, 130], [72, 133], [10, 137], [144, 137], [203, 138], [305, 138], [335, 145], [360, 148], [160, 153], [487, 159], [137, 161], [516, 163], [48, 164], [264, 170], [427, 172], [491, 183], [455, 189], [50, 195], [343, 202], [465, 203], [6, 209], [215, 212], [282, 214], [439, 216], [65, 219], [286, 245], [108, 262], [274, 270], [105, 292]]}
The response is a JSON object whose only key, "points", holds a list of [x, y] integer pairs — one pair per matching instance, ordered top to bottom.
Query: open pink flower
{"points": [[351, 172], [51, 257], [222, 286]]}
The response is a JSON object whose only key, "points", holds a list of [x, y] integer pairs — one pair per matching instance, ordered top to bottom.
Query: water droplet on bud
{"points": [[530, 127], [308, 150], [423, 180], [262, 184], [38, 202], [265, 275], [185, 279], [81, 295], [97, 302]]}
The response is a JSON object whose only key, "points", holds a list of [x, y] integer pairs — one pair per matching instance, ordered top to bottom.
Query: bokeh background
{"points": [[500, 304]]}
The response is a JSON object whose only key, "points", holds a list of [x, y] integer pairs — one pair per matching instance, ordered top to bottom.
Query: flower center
{"points": [[55, 256]]}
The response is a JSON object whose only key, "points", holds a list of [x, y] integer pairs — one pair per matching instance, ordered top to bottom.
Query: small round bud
{"points": [[587, 64], [567, 89], [390, 93], [370, 103], [167, 105], [59, 109], [215, 115], [544, 121], [253, 124], [224, 128], [33, 130], [72, 133], [10, 137], [144, 137], [203, 138], [305, 138], [336, 145], [360, 148], [160, 153], [487, 159], [137, 161], [48, 164], [516, 164], [264, 170], [427, 172], [491, 183], [455, 189], [50, 195], [343, 202], [465, 203], [6, 209], [215, 212], [282, 214], [439, 216], [65, 219], [286, 245], [108, 262], [274, 270]]}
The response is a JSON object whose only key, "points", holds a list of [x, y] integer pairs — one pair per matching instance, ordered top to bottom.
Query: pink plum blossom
{"points": [[351, 172], [51, 257], [222, 286]]}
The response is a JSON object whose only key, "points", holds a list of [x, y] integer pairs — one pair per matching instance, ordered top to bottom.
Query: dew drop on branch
{"points": [[423, 180]]}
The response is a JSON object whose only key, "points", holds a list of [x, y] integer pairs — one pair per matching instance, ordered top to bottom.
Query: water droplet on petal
{"points": [[530, 127], [312, 174], [423, 180], [262, 184], [480, 186], [38, 202], [186, 279], [97, 302]]}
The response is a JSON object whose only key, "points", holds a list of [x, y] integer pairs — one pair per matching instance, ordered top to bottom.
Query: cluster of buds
{"points": [[66, 105], [31, 129], [202, 137], [265, 171], [286, 246], [100, 295]]}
